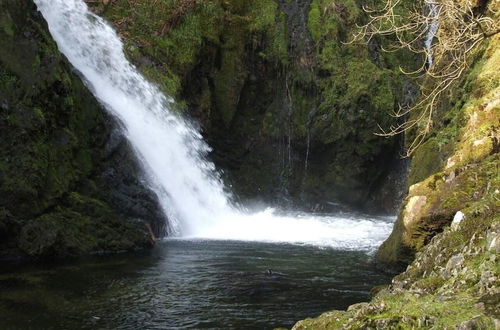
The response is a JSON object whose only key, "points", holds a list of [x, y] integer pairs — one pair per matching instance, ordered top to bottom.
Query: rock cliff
{"points": [[289, 109], [68, 180], [448, 227]]}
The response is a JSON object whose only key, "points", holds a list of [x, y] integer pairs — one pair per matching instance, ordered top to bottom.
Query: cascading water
{"points": [[433, 9], [172, 152]]}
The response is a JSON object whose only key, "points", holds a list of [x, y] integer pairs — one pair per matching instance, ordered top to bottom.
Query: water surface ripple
{"points": [[188, 284]]}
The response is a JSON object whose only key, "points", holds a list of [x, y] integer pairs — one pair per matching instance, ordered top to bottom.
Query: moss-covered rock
{"points": [[274, 87], [54, 136], [455, 167], [432, 204], [85, 225], [448, 228], [452, 283]]}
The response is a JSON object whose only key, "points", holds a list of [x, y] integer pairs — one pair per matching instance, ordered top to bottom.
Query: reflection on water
{"points": [[187, 284]]}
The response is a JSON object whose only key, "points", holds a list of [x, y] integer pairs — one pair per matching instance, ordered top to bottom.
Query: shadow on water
{"points": [[187, 284]]}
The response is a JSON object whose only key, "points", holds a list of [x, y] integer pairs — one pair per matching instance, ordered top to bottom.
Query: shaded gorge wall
{"points": [[289, 109]]}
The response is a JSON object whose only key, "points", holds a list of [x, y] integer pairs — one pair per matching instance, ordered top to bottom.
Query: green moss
{"points": [[262, 15], [314, 20], [6, 24], [276, 49], [175, 50], [230, 78], [358, 89], [52, 131], [426, 160], [446, 193], [85, 225], [394, 251], [431, 283], [412, 308]]}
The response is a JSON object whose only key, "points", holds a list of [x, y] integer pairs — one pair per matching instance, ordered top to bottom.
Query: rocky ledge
{"points": [[448, 230], [452, 284]]}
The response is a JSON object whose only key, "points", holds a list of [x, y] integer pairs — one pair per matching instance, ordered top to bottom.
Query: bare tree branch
{"points": [[452, 29]]}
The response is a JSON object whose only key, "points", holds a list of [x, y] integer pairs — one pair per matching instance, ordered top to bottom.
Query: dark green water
{"points": [[186, 284]]}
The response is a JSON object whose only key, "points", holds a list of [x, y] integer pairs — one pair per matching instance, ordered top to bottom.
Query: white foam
{"points": [[351, 233]]}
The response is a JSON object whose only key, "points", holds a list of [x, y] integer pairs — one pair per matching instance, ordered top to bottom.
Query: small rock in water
{"points": [[274, 274]]}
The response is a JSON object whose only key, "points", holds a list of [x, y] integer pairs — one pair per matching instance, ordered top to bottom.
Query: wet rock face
{"points": [[300, 41], [289, 110], [57, 177], [125, 187]]}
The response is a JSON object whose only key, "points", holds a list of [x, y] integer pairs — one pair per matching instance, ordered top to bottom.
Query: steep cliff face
{"points": [[289, 109], [456, 169], [68, 182], [448, 229]]}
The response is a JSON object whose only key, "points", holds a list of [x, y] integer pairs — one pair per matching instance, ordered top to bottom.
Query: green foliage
{"points": [[203, 26]]}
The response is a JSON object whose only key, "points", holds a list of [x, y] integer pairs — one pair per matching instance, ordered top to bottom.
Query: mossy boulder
{"points": [[432, 204], [85, 225], [451, 283]]}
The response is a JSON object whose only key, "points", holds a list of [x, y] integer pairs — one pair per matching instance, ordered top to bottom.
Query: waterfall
{"points": [[433, 9], [164, 143], [172, 152]]}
